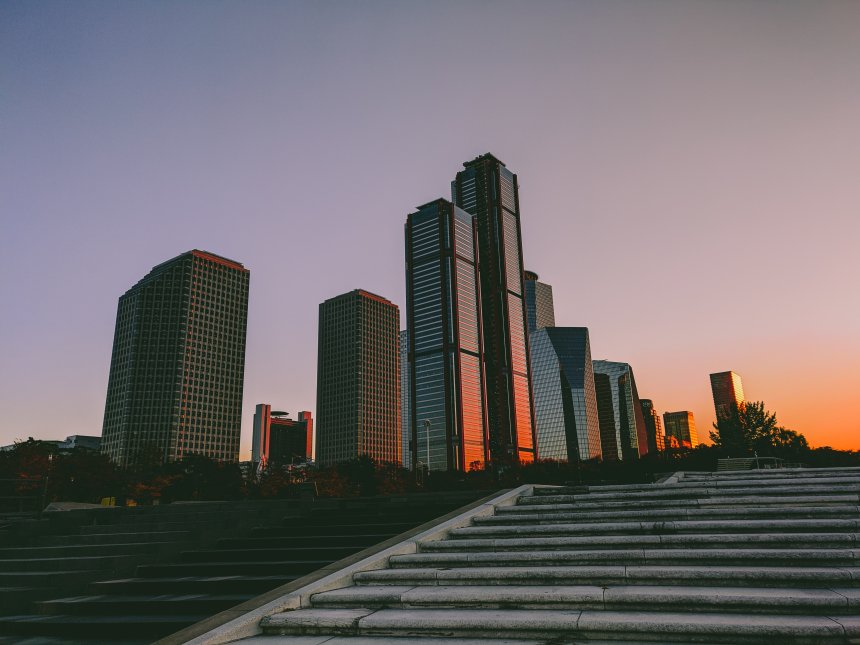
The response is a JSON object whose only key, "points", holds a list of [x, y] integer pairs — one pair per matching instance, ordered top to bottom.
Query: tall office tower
{"points": [[488, 190], [540, 310], [178, 362], [358, 379], [728, 393], [564, 396], [405, 405], [627, 412], [448, 419], [653, 427], [681, 427], [279, 440], [609, 442]]}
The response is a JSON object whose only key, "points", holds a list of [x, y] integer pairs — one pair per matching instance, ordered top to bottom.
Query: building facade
{"points": [[486, 189], [540, 310], [178, 362], [358, 379], [728, 391], [564, 396], [405, 402], [448, 421], [629, 424], [653, 427], [680, 428], [279, 440]]}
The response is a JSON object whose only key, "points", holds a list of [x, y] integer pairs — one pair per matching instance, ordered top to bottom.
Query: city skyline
{"points": [[698, 219]]}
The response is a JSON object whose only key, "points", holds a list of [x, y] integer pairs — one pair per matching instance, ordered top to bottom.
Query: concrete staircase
{"points": [[752, 557], [182, 579]]}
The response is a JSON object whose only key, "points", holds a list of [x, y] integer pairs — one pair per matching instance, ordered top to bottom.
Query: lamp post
{"points": [[427, 425]]}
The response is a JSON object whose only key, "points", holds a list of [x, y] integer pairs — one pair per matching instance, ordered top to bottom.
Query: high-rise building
{"points": [[486, 189], [540, 311], [178, 362], [358, 379], [728, 393], [564, 396], [405, 402], [448, 420], [653, 427], [681, 428], [630, 434], [279, 440], [610, 445]]}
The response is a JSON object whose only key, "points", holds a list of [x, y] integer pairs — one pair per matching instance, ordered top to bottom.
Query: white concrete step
{"points": [[527, 504], [541, 515], [666, 527], [757, 540], [717, 556], [612, 574], [633, 598], [536, 623]]}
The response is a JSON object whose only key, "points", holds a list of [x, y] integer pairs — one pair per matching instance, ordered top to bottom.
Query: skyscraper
{"points": [[486, 189], [540, 311], [178, 362], [358, 379], [728, 393], [564, 396], [405, 401], [627, 412], [448, 420], [653, 427], [682, 427], [279, 440], [610, 445]]}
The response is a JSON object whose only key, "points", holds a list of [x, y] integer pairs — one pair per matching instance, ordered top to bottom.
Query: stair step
{"points": [[529, 504], [733, 513], [673, 526], [115, 538], [757, 540], [360, 541], [77, 550], [328, 553], [89, 563], [290, 567], [603, 575], [53, 579], [237, 584], [622, 598], [200, 603], [493, 623], [115, 628]]}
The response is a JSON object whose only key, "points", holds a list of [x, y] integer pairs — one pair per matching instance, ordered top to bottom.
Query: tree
{"points": [[752, 429]]}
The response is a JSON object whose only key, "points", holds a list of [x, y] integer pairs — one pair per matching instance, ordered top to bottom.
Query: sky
{"points": [[687, 170]]}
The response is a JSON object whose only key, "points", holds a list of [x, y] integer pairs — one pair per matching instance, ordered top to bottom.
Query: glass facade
{"points": [[488, 190], [540, 310], [178, 362], [358, 379], [728, 393], [405, 401], [565, 401], [448, 413], [628, 424], [653, 427], [680, 428]]}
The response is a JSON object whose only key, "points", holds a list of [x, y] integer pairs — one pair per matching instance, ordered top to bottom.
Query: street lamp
{"points": [[427, 425]]}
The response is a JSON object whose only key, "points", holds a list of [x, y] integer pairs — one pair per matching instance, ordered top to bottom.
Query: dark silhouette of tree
{"points": [[752, 429]]}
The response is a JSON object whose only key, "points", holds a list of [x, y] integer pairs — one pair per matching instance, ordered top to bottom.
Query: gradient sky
{"points": [[688, 172]]}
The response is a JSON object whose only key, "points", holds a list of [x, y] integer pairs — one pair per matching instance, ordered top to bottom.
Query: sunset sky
{"points": [[688, 181]]}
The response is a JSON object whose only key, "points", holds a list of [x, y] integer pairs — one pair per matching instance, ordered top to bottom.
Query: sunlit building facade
{"points": [[486, 189], [540, 310], [178, 362], [358, 379], [728, 391], [564, 396], [628, 423], [448, 424], [653, 427], [680, 428], [279, 440]]}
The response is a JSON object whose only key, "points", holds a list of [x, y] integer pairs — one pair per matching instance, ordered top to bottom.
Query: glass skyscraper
{"points": [[486, 189], [540, 311], [178, 362], [358, 379], [728, 393], [564, 395], [447, 400], [629, 423], [653, 427], [681, 427]]}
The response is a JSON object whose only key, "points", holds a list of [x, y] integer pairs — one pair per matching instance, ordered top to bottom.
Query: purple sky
{"points": [[688, 175]]}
